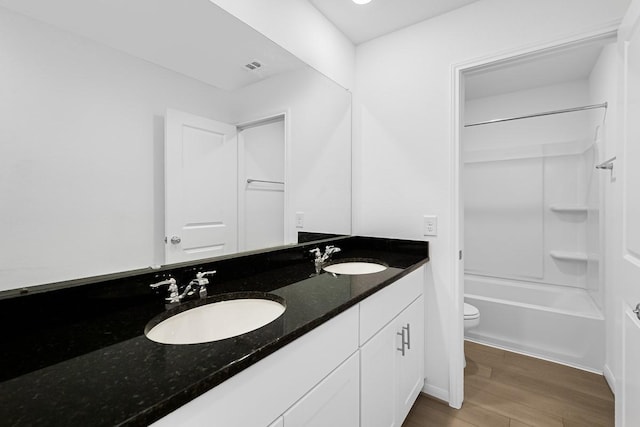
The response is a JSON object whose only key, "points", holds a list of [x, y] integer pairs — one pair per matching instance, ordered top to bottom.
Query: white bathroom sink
{"points": [[354, 267], [216, 321]]}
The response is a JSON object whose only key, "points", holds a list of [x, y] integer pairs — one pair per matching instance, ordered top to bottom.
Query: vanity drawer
{"points": [[380, 308]]}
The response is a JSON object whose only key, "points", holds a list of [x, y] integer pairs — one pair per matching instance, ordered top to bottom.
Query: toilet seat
{"points": [[470, 312], [471, 320]]}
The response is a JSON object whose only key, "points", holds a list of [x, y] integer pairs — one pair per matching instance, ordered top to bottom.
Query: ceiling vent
{"points": [[254, 65]]}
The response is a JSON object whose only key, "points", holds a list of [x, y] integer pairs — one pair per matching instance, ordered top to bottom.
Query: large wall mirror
{"points": [[127, 123]]}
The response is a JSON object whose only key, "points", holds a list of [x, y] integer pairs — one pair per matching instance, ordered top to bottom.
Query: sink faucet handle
{"points": [[316, 251], [201, 274], [170, 281], [202, 281]]}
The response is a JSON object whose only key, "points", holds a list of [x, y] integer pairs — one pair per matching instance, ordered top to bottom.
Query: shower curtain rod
{"points": [[546, 113], [250, 180]]}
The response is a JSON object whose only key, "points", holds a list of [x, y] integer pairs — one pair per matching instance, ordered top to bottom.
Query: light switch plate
{"points": [[299, 219], [430, 225]]}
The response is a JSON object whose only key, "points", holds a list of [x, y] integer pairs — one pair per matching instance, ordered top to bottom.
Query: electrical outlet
{"points": [[299, 219], [430, 225]]}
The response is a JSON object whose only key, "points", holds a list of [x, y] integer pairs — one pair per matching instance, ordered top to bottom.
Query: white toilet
{"points": [[471, 316], [471, 319]]}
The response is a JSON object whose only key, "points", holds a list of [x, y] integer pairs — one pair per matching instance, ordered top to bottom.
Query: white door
{"points": [[200, 187], [628, 413]]}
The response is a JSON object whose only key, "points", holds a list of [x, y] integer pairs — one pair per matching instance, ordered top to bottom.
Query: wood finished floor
{"points": [[504, 389]]}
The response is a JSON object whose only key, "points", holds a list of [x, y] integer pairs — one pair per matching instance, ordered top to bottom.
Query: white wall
{"points": [[301, 29], [603, 87], [319, 114], [402, 128], [82, 149], [515, 172]]}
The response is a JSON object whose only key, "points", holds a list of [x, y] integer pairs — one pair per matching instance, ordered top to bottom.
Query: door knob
{"points": [[175, 240], [637, 310]]}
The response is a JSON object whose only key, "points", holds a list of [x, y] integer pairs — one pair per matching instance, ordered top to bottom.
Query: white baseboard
{"points": [[508, 346], [611, 380], [437, 392]]}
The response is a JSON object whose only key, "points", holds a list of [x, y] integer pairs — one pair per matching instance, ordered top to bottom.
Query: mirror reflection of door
{"points": [[261, 184], [200, 190]]}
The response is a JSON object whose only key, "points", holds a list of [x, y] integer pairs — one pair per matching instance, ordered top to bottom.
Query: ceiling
{"points": [[361, 23], [195, 38], [560, 66]]}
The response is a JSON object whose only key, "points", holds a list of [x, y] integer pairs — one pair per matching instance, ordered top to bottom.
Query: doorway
{"points": [[261, 185], [584, 213]]}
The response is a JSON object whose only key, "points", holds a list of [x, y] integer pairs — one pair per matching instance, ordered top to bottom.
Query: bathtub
{"points": [[556, 323]]}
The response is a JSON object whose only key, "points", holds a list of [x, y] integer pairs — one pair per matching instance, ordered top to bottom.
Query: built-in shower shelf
{"points": [[574, 209], [569, 256]]}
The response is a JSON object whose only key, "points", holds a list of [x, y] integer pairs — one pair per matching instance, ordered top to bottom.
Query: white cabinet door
{"points": [[201, 197], [392, 373], [410, 374], [378, 378], [334, 402]]}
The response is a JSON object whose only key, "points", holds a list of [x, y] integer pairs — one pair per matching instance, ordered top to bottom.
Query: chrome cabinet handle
{"points": [[175, 240], [637, 311], [407, 328], [406, 340], [401, 349]]}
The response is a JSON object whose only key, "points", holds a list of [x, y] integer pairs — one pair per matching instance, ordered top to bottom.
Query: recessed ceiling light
{"points": [[361, 1]]}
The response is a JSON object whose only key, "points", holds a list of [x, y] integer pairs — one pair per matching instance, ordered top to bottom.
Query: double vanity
{"points": [[292, 345]]}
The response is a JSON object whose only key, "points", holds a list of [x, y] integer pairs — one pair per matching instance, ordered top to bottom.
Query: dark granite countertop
{"points": [[78, 355]]}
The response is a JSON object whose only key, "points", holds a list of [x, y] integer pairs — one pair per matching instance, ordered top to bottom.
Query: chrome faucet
{"points": [[321, 258], [174, 296]]}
